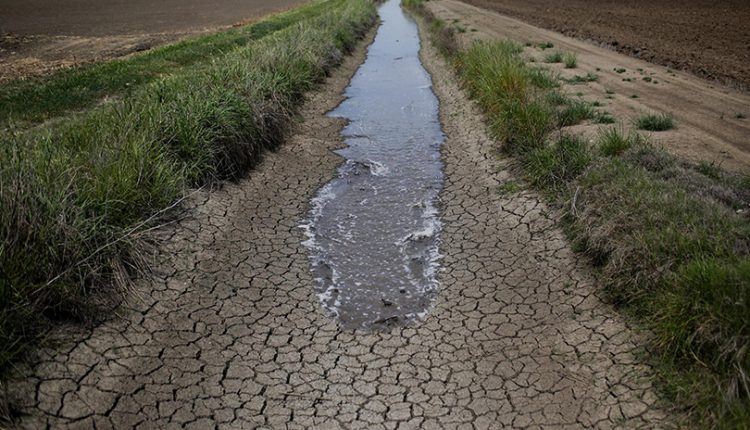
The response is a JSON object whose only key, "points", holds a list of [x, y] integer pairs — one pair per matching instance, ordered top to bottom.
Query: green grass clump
{"points": [[546, 45], [555, 57], [570, 60], [498, 78], [543, 78], [583, 79], [556, 99], [29, 101], [575, 112], [602, 117], [655, 122], [522, 125], [613, 142], [554, 166], [709, 169], [509, 187], [77, 195], [708, 297], [704, 306]]}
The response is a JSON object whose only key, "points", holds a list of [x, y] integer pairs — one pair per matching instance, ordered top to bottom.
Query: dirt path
{"points": [[707, 126], [231, 335]]}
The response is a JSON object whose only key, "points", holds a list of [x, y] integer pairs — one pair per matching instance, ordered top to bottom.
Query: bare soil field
{"points": [[38, 36], [710, 38], [712, 123]]}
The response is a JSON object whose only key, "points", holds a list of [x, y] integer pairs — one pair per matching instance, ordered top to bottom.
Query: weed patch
{"points": [[555, 57], [570, 60], [543, 78], [583, 79], [575, 112], [602, 117], [655, 122], [613, 142], [553, 167], [509, 187]]}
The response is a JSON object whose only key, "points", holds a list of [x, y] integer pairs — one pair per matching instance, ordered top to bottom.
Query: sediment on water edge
{"points": [[78, 196], [670, 239]]}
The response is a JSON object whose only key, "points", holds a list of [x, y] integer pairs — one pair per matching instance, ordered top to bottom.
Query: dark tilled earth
{"points": [[118, 17], [710, 38]]}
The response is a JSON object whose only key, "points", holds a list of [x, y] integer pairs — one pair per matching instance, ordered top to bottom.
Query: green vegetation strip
{"points": [[28, 101], [76, 196], [671, 239]]}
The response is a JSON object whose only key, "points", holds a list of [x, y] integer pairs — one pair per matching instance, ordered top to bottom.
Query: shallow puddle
{"points": [[373, 230]]}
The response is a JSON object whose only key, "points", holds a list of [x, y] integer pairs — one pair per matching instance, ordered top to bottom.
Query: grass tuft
{"points": [[546, 45], [555, 57], [570, 60], [543, 78], [583, 79], [575, 112], [602, 117], [655, 122], [613, 142], [553, 167], [509, 187]]}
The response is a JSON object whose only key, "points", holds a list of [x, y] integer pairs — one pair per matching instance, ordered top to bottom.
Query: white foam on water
{"points": [[377, 169], [323, 196], [318, 203], [434, 226], [426, 282], [327, 296]]}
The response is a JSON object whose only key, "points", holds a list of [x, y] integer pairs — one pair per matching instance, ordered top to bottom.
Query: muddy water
{"points": [[373, 230]]}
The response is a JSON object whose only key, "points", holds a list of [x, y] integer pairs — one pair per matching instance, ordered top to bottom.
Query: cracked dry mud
{"points": [[230, 334]]}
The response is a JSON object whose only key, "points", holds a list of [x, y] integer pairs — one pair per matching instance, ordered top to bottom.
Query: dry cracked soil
{"points": [[229, 332]]}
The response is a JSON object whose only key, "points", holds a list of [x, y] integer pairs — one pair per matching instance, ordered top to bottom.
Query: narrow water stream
{"points": [[373, 230]]}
